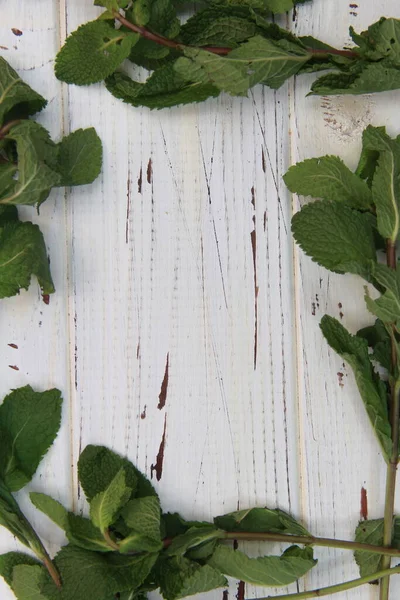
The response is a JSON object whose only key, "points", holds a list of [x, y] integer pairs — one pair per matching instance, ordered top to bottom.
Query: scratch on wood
{"points": [[16, 31], [3, 47], [264, 164], [150, 171], [140, 180], [128, 205], [253, 236], [46, 298], [13, 346], [138, 350], [76, 352], [14, 367], [164, 386], [158, 467], [364, 504], [240, 590]]}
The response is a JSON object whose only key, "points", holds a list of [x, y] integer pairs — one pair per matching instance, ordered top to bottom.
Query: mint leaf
{"points": [[275, 6], [159, 16], [219, 26], [382, 40], [93, 52], [257, 60], [369, 78], [164, 88], [17, 99], [79, 157], [7, 173], [35, 177], [328, 178], [7, 214], [337, 237], [23, 254], [387, 306], [379, 340], [373, 391], [31, 420], [98, 466], [106, 505], [50, 507], [11, 516], [142, 516], [260, 520], [81, 532], [369, 532], [194, 537], [12, 559], [267, 570], [88, 574], [179, 577], [27, 582]]}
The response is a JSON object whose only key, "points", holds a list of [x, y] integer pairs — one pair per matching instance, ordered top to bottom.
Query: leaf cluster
{"points": [[228, 46], [31, 164]]}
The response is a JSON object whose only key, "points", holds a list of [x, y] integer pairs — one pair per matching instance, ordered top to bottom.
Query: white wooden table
{"points": [[178, 266]]}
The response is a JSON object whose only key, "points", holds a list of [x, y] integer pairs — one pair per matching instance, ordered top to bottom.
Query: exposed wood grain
{"points": [[181, 333]]}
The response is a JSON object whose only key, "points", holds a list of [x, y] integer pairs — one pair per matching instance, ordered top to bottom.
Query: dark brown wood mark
{"points": [[16, 31], [3, 47], [264, 164], [150, 171], [140, 180], [128, 205], [253, 237], [46, 299], [340, 306], [13, 346], [138, 350], [14, 367], [340, 379], [162, 398], [143, 413], [158, 467], [364, 504], [240, 590], [225, 595]]}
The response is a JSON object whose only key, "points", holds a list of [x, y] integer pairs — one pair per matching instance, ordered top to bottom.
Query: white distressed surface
{"points": [[157, 259]]}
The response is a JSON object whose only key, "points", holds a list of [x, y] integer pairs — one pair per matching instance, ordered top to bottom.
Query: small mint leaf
{"points": [[93, 52], [17, 99], [79, 157], [106, 505], [51, 508], [142, 516], [260, 520], [194, 537], [12, 559], [179, 577], [27, 582]]}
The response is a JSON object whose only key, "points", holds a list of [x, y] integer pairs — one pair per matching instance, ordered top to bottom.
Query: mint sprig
{"points": [[228, 46], [31, 164]]}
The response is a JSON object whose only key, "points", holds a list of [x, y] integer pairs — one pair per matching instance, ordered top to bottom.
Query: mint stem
{"points": [[168, 43], [394, 410], [334, 589]]}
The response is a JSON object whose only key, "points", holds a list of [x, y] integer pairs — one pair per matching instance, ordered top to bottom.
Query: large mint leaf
{"points": [[93, 52], [257, 60], [163, 89], [17, 99], [79, 157], [37, 159], [328, 178], [337, 237], [23, 254], [373, 391], [31, 421], [98, 466], [106, 505], [142, 516], [260, 520], [12, 559], [267, 570], [179, 577]]}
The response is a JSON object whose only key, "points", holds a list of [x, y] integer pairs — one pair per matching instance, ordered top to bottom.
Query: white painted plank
{"points": [[40, 331], [339, 454]]}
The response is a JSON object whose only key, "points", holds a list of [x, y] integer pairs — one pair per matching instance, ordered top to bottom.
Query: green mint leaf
{"points": [[109, 4], [274, 6], [159, 16], [219, 26], [382, 40], [93, 52], [257, 60], [370, 78], [163, 89], [17, 99], [372, 139], [79, 157], [7, 173], [35, 178], [328, 178], [7, 214], [337, 237], [23, 254], [387, 306], [379, 340], [373, 391], [31, 420], [98, 466], [106, 505], [50, 507], [11, 516], [142, 516], [260, 520], [173, 524], [81, 532], [371, 532], [194, 537], [12, 559], [267, 570], [88, 574], [179, 577], [27, 582]]}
